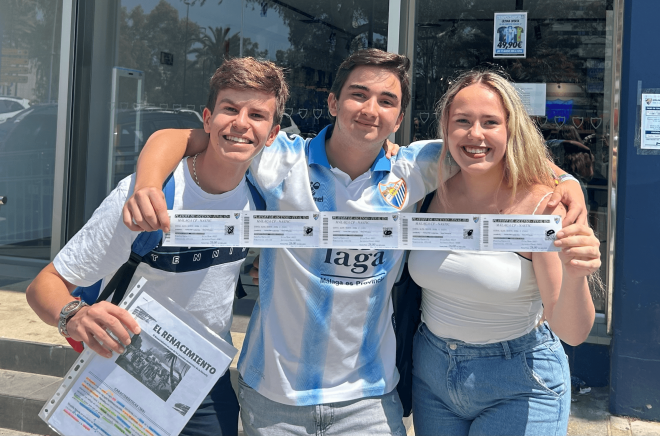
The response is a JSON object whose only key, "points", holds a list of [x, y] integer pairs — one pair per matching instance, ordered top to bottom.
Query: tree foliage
{"points": [[30, 25]]}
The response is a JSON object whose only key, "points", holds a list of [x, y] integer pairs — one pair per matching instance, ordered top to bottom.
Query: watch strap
{"points": [[68, 311]]}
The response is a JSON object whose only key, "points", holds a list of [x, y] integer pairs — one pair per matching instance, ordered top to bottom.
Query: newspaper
{"points": [[398, 231], [154, 387]]}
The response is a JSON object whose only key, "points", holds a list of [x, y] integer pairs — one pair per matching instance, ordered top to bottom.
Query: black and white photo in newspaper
{"points": [[154, 387]]}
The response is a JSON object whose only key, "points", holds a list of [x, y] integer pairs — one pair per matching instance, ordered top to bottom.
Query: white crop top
{"points": [[477, 297]]}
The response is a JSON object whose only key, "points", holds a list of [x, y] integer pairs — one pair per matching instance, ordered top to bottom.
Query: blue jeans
{"points": [[516, 387], [218, 413], [380, 415]]}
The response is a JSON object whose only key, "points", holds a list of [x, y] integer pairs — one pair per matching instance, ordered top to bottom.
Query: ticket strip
{"points": [[354, 230]]}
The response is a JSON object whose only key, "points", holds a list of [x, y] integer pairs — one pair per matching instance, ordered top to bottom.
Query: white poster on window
{"points": [[510, 35], [533, 97], [651, 121]]}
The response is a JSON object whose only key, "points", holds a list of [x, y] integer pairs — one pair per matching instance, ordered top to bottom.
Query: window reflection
{"points": [[311, 39], [175, 46], [568, 50], [29, 75]]}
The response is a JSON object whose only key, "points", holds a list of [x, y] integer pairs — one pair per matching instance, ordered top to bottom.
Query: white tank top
{"points": [[479, 297]]}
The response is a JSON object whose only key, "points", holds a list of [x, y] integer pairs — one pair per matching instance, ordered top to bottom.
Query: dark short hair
{"points": [[395, 63], [250, 74], [569, 133], [578, 159]]}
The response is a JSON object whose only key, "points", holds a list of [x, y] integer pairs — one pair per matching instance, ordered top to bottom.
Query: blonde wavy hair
{"points": [[526, 157]]}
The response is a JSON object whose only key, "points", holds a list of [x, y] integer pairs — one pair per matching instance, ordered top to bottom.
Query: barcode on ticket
{"points": [[246, 228], [484, 235]]}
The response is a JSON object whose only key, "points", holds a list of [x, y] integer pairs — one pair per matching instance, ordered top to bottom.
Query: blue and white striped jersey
{"points": [[321, 331]]}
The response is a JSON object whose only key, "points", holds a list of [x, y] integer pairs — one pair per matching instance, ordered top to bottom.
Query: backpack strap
{"points": [[168, 190], [427, 202], [142, 245], [119, 282]]}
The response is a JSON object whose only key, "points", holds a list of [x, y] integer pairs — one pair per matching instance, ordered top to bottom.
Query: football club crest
{"points": [[394, 193], [237, 215], [316, 216], [395, 218], [475, 219], [556, 220]]}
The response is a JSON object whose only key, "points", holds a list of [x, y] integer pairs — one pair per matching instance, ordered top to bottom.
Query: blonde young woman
{"points": [[487, 356]]}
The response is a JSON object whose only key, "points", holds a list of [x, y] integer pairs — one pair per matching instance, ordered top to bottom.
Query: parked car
{"points": [[10, 106], [129, 139], [27, 159]]}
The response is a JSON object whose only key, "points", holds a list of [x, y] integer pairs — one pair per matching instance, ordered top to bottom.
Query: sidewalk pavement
{"points": [[18, 321], [589, 412]]}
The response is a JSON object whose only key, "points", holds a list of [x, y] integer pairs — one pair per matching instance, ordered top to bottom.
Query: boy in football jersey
{"points": [[241, 117], [319, 353]]}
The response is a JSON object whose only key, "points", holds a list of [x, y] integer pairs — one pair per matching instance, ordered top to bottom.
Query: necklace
{"points": [[195, 169]]}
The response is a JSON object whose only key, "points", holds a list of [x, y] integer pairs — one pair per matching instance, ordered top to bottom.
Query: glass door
{"points": [[566, 78], [29, 84]]}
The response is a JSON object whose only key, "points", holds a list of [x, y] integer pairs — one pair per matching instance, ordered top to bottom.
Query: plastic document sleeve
{"points": [[154, 387]]}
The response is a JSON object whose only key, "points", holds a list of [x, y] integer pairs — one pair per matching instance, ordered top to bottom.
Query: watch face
{"points": [[73, 305]]}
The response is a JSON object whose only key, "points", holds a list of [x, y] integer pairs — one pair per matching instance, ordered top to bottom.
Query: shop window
{"points": [[167, 51], [568, 59], [29, 85]]}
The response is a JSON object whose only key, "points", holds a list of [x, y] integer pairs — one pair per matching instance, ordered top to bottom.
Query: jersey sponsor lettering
{"points": [[355, 264]]}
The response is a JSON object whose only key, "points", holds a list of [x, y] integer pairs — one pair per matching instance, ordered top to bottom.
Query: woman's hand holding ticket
{"points": [[580, 255]]}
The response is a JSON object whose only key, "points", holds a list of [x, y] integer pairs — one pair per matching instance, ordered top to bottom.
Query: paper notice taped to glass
{"points": [[154, 387]]}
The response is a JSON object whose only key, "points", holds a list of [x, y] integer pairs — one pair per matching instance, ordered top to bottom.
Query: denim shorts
{"points": [[516, 387], [218, 413], [381, 415]]}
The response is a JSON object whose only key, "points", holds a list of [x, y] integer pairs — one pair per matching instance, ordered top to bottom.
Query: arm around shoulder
{"points": [[163, 152], [417, 164], [570, 193], [146, 209]]}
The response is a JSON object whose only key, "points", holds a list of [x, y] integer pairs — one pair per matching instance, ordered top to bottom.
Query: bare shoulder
{"points": [[534, 200]]}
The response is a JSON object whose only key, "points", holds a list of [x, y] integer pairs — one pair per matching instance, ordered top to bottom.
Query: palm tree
{"points": [[214, 48], [172, 358]]}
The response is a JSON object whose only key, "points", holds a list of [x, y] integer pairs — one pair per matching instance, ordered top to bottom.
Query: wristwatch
{"points": [[69, 309]]}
